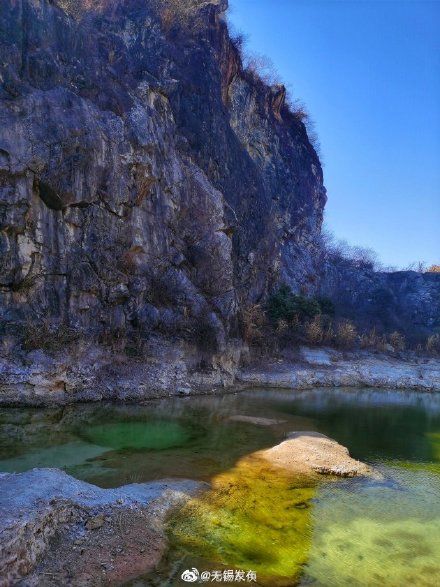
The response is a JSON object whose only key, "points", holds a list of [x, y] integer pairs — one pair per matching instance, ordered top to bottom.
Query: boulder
{"points": [[312, 452]]}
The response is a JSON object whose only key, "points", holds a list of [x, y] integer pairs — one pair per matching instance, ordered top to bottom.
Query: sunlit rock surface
{"points": [[147, 183], [329, 368], [311, 452], [115, 534]]}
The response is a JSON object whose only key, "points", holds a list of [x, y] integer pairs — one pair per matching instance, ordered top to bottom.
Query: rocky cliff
{"points": [[148, 183], [152, 189], [403, 301]]}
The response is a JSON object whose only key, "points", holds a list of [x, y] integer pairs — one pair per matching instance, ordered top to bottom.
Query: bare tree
{"points": [[262, 67], [341, 251], [419, 266]]}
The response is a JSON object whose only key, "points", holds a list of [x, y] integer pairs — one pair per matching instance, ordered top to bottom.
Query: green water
{"points": [[288, 530]]}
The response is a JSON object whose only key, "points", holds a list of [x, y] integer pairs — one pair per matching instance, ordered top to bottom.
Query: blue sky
{"points": [[369, 73]]}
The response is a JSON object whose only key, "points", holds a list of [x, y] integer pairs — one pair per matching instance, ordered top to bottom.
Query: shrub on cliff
{"points": [[180, 13], [340, 252], [285, 305], [327, 306], [254, 324], [314, 331], [319, 331], [371, 340]]}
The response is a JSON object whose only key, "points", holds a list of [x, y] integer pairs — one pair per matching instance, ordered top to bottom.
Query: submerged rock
{"points": [[256, 420], [312, 452], [258, 514], [255, 516], [56, 529]]}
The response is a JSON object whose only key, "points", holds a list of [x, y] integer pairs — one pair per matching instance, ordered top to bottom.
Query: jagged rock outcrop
{"points": [[148, 184]]}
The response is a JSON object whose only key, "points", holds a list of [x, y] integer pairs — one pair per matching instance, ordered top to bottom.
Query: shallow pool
{"points": [[284, 529]]}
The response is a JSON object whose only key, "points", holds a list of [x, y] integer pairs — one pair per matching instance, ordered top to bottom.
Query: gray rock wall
{"points": [[147, 183], [149, 186], [406, 301]]}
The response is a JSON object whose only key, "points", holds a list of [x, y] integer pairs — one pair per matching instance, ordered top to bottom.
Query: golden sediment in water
{"points": [[255, 517], [378, 535], [365, 551]]}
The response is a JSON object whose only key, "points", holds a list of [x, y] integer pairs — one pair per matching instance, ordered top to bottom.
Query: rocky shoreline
{"points": [[330, 368], [95, 375], [57, 530], [95, 535]]}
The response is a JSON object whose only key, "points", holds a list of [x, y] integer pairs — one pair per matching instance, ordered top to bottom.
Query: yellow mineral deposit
{"points": [[257, 515]]}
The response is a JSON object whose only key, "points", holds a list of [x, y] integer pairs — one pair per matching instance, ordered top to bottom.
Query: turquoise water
{"points": [[354, 532]]}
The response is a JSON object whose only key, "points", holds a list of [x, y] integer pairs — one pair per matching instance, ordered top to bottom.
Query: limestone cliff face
{"points": [[147, 183]]}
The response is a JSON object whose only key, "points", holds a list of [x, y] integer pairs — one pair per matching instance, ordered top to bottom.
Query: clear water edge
{"points": [[356, 532]]}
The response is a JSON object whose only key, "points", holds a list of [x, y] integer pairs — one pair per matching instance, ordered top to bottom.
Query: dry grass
{"points": [[180, 13], [254, 323], [314, 331], [346, 334], [371, 340], [397, 341], [433, 344]]}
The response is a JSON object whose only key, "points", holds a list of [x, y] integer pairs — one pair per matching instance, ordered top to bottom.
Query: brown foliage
{"points": [[177, 12], [261, 67], [254, 324], [314, 331], [346, 334], [370, 340], [397, 340], [433, 344]]}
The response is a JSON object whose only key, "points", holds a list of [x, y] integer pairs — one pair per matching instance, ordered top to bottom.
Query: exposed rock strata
{"points": [[150, 189], [333, 369], [94, 376], [95, 535]]}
